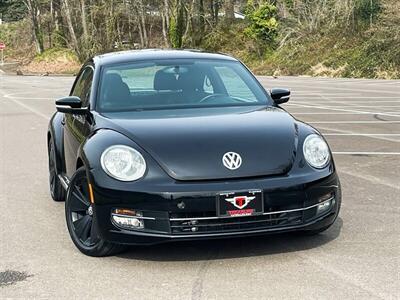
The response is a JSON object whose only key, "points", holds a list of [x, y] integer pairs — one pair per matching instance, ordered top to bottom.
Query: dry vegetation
{"points": [[346, 38], [54, 61]]}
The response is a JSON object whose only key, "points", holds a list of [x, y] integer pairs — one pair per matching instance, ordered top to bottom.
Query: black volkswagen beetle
{"points": [[154, 146]]}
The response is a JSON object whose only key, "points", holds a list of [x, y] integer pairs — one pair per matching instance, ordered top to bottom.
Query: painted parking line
{"points": [[308, 79], [367, 83], [311, 88], [321, 89], [318, 94], [338, 96], [30, 98], [338, 103], [344, 103], [347, 104], [350, 105], [25, 106], [353, 109], [344, 110], [333, 112], [353, 122], [361, 134], [375, 137], [364, 153], [370, 178]]}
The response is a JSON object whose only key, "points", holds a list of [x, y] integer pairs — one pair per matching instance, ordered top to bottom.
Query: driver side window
{"points": [[83, 86]]}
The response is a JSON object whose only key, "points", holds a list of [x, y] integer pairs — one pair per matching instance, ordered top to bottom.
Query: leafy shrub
{"points": [[367, 9], [263, 25], [176, 28]]}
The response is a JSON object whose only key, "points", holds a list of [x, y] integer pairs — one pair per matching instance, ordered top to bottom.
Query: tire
{"points": [[57, 191], [81, 221]]}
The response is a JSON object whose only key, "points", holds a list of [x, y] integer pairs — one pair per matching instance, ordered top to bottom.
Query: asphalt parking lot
{"points": [[359, 257]]}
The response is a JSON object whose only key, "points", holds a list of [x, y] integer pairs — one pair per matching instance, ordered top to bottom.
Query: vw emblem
{"points": [[232, 160]]}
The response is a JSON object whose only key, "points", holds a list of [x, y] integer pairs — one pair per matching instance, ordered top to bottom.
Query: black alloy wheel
{"points": [[81, 219]]}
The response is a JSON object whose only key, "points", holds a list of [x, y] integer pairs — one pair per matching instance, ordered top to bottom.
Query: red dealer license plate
{"points": [[240, 204]]}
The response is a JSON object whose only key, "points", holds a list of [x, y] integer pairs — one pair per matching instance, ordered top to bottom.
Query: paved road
{"points": [[359, 257]]}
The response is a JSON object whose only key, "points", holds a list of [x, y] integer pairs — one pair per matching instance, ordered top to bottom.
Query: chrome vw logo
{"points": [[232, 160]]}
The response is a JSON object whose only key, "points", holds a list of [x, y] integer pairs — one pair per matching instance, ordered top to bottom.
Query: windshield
{"points": [[179, 83]]}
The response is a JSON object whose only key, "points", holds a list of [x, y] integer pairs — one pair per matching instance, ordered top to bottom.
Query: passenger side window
{"points": [[234, 85], [83, 86]]}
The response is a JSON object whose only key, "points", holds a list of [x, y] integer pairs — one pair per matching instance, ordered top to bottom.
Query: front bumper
{"points": [[286, 208]]}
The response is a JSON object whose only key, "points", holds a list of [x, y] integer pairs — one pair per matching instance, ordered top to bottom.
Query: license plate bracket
{"points": [[240, 203]]}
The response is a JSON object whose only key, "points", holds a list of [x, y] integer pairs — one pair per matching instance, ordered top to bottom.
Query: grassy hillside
{"points": [[311, 39], [370, 51], [373, 52], [372, 55], [53, 61]]}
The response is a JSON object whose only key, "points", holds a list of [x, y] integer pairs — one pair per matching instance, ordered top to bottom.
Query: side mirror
{"points": [[280, 95], [71, 105]]}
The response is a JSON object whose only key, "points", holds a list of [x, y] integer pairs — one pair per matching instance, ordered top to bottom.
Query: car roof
{"points": [[152, 54]]}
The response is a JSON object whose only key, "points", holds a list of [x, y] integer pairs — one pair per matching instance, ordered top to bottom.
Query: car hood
{"points": [[190, 144]]}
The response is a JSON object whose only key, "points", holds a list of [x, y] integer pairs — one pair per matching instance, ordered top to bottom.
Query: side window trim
{"points": [[78, 77], [78, 80], [86, 101]]}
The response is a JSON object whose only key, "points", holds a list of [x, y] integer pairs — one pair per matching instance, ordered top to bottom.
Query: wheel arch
{"points": [[56, 133], [90, 152], [82, 160]]}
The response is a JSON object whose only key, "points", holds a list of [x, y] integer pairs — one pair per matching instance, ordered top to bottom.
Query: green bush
{"points": [[367, 9], [263, 25], [176, 28], [15, 35], [53, 54]]}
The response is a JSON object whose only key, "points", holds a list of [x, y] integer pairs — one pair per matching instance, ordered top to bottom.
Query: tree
{"points": [[229, 6], [12, 10], [34, 13], [83, 18], [165, 22], [263, 24], [177, 25], [94, 26], [71, 29]]}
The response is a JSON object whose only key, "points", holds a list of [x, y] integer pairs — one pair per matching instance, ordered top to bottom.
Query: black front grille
{"points": [[206, 223]]}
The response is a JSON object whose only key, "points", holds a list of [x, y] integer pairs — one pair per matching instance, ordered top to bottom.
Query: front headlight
{"points": [[316, 151], [123, 163]]}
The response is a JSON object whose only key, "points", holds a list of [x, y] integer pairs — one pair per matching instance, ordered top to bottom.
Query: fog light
{"points": [[323, 207], [127, 218]]}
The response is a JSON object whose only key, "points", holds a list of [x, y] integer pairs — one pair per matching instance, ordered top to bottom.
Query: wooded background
{"points": [[267, 34]]}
